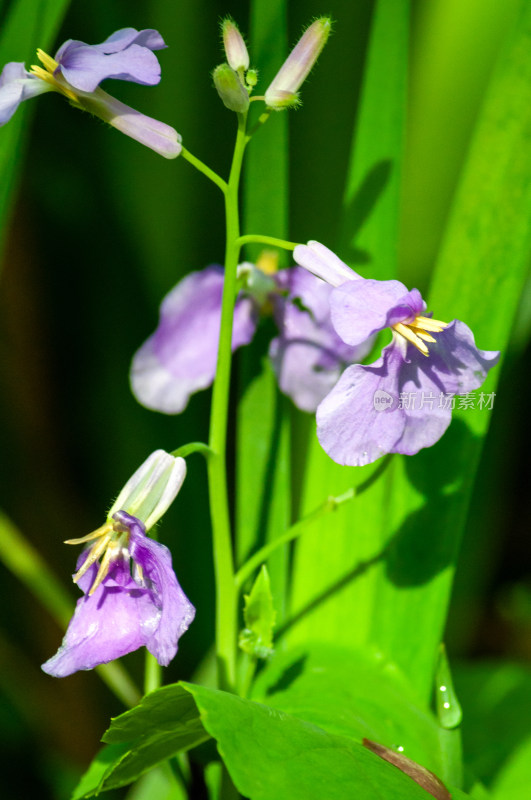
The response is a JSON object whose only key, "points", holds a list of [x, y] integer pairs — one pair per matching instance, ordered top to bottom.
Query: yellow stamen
{"points": [[49, 63], [47, 75], [429, 324], [412, 337], [426, 337], [102, 531], [93, 556], [103, 570]]}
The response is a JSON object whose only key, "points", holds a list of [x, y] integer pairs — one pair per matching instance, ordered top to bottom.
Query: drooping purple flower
{"points": [[79, 68], [180, 357], [400, 403], [124, 609]]}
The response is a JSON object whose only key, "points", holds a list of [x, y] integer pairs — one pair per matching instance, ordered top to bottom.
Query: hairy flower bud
{"points": [[234, 45], [230, 88], [283, 90]]}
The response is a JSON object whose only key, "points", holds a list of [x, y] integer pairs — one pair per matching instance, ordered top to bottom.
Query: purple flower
{"points": [[78, 69], [180, 357], [400, 403], [123, 610]]}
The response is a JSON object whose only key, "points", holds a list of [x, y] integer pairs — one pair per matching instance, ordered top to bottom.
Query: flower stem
{"points": [[210, 174], [251, 237], [293, 532], [226, 595]]}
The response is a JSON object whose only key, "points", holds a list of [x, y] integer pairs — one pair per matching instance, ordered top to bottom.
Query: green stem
{"points": [[199, 165], [251, 237], [193, 447], [247, 569], [226, 595], [152, 674]]}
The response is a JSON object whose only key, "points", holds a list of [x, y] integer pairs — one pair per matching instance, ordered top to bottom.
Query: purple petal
{"points": [[126, 55], [16, 85], [158, 136], [323, 263], [362, 308], [308, 356], [180, 358], [459, 365], [360, 420], [105, 625], [163, 632]]}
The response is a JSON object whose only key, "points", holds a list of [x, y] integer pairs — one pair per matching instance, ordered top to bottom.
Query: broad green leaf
{"points": [[29, 24], [369, 224], [263, 497], [383, 573], [259, 615], [354, 694], [164, 723], [271, 754], [514, 779]]}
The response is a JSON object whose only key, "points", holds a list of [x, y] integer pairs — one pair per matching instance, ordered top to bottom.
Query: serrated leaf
{"points": [[259, 615]]}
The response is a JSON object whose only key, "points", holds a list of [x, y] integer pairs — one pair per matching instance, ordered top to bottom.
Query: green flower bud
{"points": [[230, 88]]}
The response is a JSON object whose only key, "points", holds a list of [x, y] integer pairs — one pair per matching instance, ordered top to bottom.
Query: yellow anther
{"points": [[49, 63], [47, 75], [420, 330], [412, 337], [102, 531], [93, 556]]}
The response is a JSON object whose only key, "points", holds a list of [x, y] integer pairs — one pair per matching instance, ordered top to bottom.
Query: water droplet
{"points": [[448, 708]]}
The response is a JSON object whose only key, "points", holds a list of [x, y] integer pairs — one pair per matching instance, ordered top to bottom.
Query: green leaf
{"points": [[369, 224], [389, 558], [259, 614], [352, 693], [496, 698], [164, 723], [270, 754], [105, 761], [514, 778]]}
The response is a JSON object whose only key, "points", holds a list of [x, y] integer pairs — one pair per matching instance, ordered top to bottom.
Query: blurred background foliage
{"points": [[100, 229]]}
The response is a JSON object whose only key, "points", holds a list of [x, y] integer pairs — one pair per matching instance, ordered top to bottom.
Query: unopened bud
{"points": [[234, 45], [251, 78], [230, 88], [283, 91]]}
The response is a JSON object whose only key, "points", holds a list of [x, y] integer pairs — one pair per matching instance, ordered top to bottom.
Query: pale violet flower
{"points": [[76, 72], [180, 357], [427, 362], [124, 609]]}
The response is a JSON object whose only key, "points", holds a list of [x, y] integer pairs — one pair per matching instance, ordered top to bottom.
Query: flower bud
{"points": [[234, 45], [230, 88], [283, 90], [148, 493]]}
